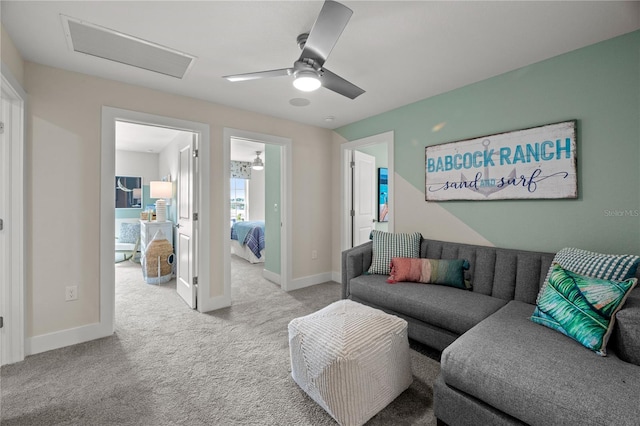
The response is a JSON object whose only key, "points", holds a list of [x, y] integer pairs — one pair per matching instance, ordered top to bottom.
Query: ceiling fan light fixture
{"points": [[306, 81], [257, 163]]}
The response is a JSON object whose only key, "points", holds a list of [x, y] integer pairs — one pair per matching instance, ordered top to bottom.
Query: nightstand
{"points": [[148, 230]]}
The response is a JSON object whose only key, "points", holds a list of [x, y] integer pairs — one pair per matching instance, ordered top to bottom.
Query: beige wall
{"points": [[11, 57], [63, 175]]}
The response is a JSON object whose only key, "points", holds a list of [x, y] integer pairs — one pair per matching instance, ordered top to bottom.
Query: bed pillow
{"points": [[129, 233], [387, 245], [429, 271], [581, 307]]}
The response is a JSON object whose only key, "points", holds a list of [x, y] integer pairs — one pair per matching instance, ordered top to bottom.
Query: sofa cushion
{"points": [[387, 246], [428, 271], [581, 307], [449, 308], [626, 332], [538, 375]]}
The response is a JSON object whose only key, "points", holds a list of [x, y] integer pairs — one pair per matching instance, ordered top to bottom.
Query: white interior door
{"points": [[364, 196], [186, 273]]}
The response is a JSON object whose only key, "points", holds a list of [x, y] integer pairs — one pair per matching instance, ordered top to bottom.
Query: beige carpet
{"points": [[169, 365]]}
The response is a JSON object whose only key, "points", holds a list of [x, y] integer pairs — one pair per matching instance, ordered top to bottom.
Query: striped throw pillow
{"points": [[387, 245], [604, 266], [616, 267], [429, 271]]}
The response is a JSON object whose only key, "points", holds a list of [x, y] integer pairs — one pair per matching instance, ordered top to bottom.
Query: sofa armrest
{"points": [[355, 262], [626, 331]]}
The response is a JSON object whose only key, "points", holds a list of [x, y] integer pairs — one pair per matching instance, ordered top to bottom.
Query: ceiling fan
{"points": [[308, 71]]}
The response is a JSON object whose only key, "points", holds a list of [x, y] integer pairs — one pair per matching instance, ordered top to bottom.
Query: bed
{"points": [[247, 240]]}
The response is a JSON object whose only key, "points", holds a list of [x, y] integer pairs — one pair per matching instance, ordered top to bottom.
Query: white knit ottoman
{"points": [[351, 359]]}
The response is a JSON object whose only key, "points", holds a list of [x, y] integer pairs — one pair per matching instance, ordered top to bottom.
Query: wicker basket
{"points": [[159, 258]]}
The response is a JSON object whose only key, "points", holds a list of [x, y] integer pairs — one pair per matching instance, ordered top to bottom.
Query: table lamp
{"points": [[161, 191]]}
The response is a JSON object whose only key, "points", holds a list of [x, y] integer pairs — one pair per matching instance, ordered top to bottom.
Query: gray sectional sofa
{"points": [[497, 366]]}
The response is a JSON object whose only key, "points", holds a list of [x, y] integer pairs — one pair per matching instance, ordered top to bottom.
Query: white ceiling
{"points": [[399, 52], [143, 138], [151, 139], [244, 150]]}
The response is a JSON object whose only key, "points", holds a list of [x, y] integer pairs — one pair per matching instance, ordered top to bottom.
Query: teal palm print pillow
{"points": [[581, 307]]}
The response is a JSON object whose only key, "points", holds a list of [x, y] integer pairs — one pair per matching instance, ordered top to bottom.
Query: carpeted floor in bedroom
{"points": [[169, 365]]}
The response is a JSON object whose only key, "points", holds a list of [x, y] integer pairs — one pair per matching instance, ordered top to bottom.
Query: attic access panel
{"points": [[112, 45]]}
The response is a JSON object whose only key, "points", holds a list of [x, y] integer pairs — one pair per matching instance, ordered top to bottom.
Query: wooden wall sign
{"points": [[535, 163]]}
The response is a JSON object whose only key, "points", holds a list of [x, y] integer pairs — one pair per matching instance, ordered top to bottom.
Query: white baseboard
{"points": [[271, 276], [310, 280], [60, 339]]}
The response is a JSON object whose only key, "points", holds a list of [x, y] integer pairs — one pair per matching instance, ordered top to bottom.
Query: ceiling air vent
{"points": [[105, 43]]}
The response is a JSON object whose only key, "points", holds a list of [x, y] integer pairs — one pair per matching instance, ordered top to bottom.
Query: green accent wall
{"points": [[598, 85], [379, 151], [272, 217]]}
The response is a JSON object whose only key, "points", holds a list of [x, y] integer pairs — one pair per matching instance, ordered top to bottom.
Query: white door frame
{"points": [[347, 185], [285, 204], [107, 206], [12, 291]]}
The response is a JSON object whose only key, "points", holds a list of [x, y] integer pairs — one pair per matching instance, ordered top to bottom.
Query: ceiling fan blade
{"points": [[326, 30], [261, 74], [339, 85]]}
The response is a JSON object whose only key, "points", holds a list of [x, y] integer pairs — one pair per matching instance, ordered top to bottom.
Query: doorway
{"points": [[147, 156], [361, 162], [275, 203], [107, 208], [12, 258]]}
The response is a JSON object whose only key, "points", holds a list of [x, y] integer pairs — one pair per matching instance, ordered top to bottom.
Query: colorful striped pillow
{"points": [[387, 245], [429, 271], [581, 307]]}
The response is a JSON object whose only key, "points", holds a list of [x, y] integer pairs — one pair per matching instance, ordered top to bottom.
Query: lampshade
{"points": [[307, 81], [257, 163], [158, 189], [161, 190]]}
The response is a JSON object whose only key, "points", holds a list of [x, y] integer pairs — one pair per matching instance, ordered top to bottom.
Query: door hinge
{"points": [[1, 127], [195, 153], [352, 164], [352, 213], [195, 216], [1, 224], [195, 280], [1, 322]]}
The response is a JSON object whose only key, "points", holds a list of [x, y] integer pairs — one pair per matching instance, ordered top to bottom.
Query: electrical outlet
{"points": [[314, 254], [71, 293]]}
